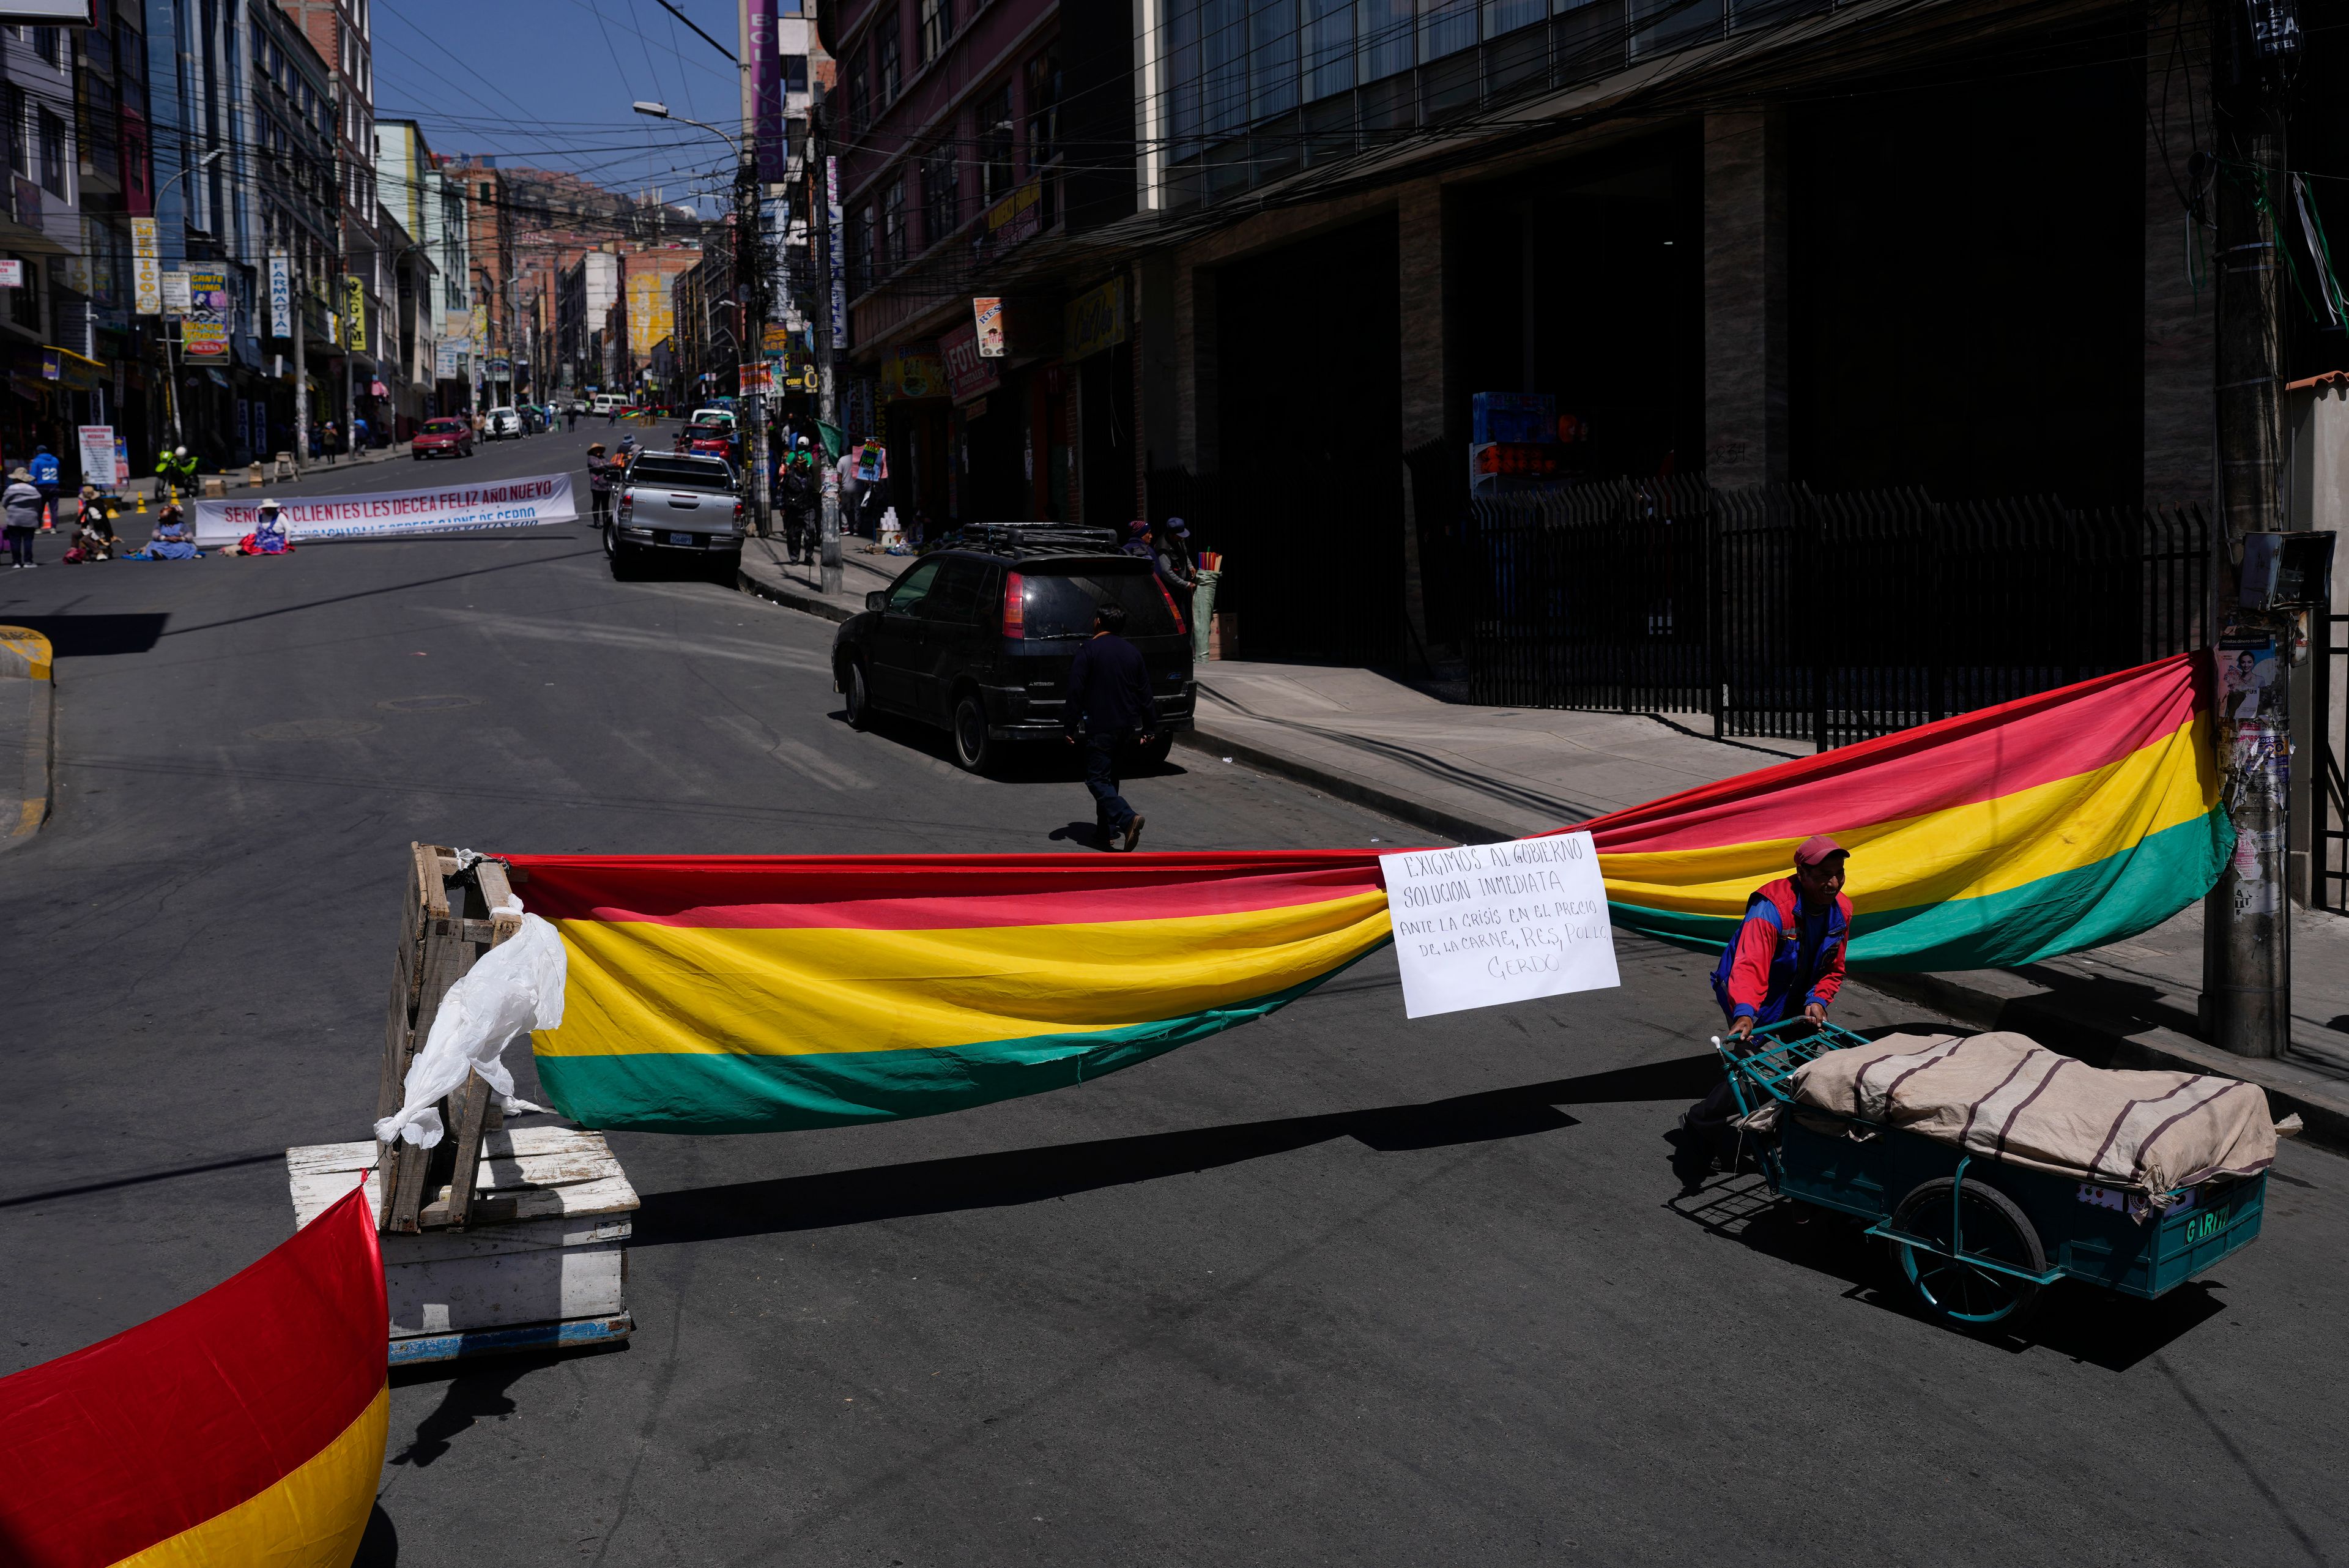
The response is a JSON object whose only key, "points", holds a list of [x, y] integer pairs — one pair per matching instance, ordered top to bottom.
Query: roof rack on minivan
{"points": [[1018, 538]]}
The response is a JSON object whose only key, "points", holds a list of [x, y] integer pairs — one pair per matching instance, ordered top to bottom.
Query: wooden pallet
{"points": [[445, 927]]}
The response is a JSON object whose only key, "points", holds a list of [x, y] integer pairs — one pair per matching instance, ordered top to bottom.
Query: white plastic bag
{"points": [[516, 987]]}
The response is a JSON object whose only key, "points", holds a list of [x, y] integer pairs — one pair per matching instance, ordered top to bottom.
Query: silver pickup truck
{"points": [[678, 505]]}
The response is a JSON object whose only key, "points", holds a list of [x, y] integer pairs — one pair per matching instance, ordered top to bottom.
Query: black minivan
{"points": [[977, 636]]}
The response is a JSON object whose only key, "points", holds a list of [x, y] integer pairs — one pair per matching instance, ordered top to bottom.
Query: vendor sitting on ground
{"points": [[268, 536], [90, 542], [170, 542], [1785, 960]]}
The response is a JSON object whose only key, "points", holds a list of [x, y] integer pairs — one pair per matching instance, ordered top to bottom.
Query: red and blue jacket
{"points": [[1757, 976]]}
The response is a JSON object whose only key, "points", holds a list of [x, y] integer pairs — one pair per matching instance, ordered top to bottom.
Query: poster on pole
{"points": [[175, 294], [280, 295], [987, 317], [203, 331], [355, 333], [97, 445], [456, 509], [1489, 923]]}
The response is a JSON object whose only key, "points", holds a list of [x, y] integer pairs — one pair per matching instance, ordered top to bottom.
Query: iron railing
{"points": [[1827, 617]]}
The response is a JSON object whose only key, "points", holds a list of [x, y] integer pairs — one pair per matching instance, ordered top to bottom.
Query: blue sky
{"points": [[548, 83]]}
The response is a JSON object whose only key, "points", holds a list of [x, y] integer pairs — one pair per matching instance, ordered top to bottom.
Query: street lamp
{"points": [[171, 368]]}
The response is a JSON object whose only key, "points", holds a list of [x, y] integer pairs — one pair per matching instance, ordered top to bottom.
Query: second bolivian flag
{"points": [[750, 993]]}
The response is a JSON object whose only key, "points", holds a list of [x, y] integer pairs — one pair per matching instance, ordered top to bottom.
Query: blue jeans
{"points": [[1110, 810]]}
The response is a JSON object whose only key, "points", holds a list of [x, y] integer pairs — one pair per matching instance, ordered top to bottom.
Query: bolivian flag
{"points": [[751, 994], [245, 1427]]}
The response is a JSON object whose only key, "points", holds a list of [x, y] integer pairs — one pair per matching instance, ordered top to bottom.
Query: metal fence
{"points": [[1826, 618]]}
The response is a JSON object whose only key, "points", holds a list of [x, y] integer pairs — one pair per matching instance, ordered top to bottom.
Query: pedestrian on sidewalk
{"points": [[45, 479], [599, 482], [20, 505], [1109, 702], [1786, 960]]}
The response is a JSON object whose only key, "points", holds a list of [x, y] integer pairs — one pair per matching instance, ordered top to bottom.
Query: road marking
{"points": [[735, 648], [797, 756]]}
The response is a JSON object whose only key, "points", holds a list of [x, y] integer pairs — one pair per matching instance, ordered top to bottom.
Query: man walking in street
{"points": [[45, 479], [1109, 702], [1786, 960]]}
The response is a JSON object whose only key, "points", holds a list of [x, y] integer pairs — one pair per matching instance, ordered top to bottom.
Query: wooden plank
{"points": [[497, 891], [446, 957], [400, 1035], [470, 1106]]}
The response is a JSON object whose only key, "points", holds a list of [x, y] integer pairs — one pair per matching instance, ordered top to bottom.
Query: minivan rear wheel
{"points": [[975, 751]]}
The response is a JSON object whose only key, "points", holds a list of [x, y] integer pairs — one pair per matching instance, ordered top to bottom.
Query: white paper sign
{"points": [[178, 298], [96, 443], [1488, 923]]}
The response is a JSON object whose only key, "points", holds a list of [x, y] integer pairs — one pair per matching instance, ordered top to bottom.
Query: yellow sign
{"points": [[146, 271], [354, 310], [650, 319], [1096, 320], [777, 338], [913, 373]]}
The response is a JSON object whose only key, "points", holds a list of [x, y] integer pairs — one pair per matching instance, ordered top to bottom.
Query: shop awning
{"points": [[78, 372]]}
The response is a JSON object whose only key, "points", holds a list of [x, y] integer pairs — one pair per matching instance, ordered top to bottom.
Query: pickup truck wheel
{"points": [[726, 568], [857, 695], [974, 749]]}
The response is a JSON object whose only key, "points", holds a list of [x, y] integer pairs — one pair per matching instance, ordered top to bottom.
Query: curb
{"points": [[791, 597], [27, 655], [1346, 788], [2321, 1105]]}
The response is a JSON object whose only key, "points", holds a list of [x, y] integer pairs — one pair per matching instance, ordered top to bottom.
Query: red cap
{"points": [[1817, 849]]}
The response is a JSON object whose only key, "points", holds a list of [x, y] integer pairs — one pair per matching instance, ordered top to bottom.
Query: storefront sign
{"points": [[1018, 216], [146, 272], [11, 274], [280, 295], [355, 315], [987, 315], [1096, 319], [204, 330], [447, 360], [75, 372], [915, 372], [968, 375], [757, 378], [96, 444], [511, 503], [1489, 923]]}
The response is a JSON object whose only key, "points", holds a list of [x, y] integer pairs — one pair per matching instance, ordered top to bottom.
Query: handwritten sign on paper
{"points": [[1489, 923]]}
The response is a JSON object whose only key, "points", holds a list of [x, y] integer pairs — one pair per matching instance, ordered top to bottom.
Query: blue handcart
{"points": [[1976, 1238]]}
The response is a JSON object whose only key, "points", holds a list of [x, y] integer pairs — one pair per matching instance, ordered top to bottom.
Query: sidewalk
{"points": [[799, 588], [1481, 774]]}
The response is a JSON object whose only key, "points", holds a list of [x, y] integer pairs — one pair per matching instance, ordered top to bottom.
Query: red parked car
{"points": [[443, 438]]}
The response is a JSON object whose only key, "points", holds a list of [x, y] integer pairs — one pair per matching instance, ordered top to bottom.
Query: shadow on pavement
{"points": [[91, 636], [1031, 1175], [2102, 1328], [379, 1547]]}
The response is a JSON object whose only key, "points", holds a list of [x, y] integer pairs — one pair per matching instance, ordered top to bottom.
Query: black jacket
{"points": [[1108, 689]]}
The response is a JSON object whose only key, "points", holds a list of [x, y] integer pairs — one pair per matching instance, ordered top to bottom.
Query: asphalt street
{"points": [[1334, 1287]]}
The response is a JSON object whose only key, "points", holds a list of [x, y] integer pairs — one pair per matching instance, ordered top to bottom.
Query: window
{"points": [[937, 27], [49, 44], [885, 62], [852, 88], [12, 103], [1044, 110], [993, 125], [53, 154], [941, 195], [893, 223], [860, 248]]}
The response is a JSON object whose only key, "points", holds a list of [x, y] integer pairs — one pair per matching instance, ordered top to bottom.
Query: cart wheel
{"points": [[1996, 1228]]}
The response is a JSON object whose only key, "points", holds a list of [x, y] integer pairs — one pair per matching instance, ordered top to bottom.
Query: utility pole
{"points": [[824, 179], [301, 367], [2247, 955]]}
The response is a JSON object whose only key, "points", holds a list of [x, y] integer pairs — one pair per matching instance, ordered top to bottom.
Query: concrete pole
{"points": [[2248, 953]]}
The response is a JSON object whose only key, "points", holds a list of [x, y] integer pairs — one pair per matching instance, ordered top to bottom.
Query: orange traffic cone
{"points": [[48, 523]]}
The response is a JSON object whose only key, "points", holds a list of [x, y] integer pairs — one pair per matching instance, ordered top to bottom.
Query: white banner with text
{"points": [[456, 509], [1489, 923]]}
